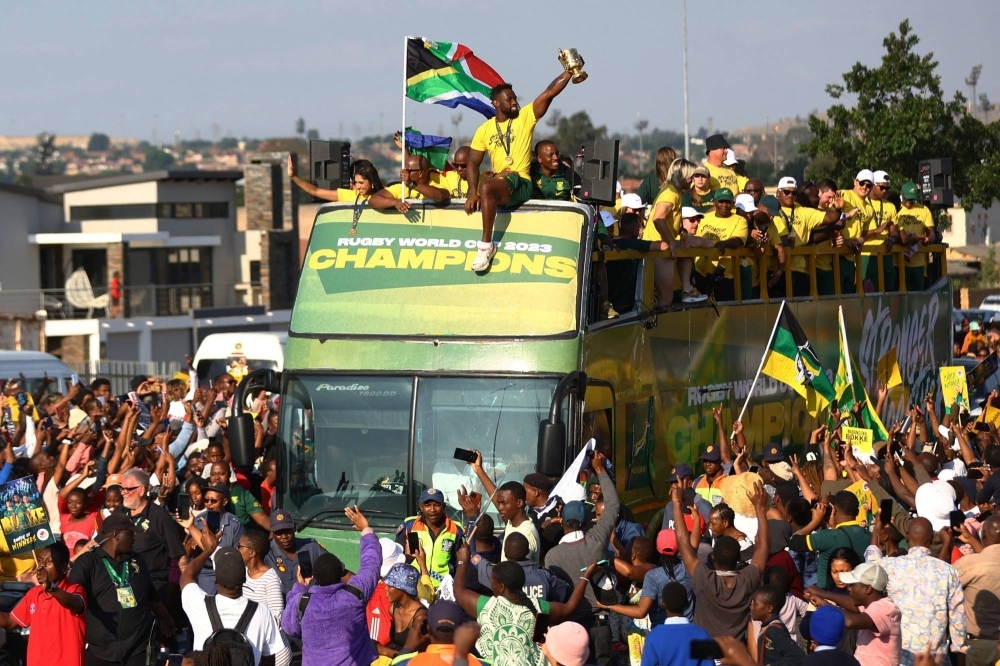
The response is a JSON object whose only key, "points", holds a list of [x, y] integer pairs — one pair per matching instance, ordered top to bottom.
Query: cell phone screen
{"points": [[465, 455], [183, 506], [885, 512], [956, 518], [213, 519], [414, 542], [305, 564], [541, 626], [706, 650]]}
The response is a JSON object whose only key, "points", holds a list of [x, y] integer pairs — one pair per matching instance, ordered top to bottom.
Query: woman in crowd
{"points": [[364, 183], [665, 224], [408, 632]]}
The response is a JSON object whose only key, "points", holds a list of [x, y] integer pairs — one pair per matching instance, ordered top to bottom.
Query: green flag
{"points": [[790, 359], [849, 388]]}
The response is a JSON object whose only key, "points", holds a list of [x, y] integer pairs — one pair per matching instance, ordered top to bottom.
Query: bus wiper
{"points": [[308, 521]]}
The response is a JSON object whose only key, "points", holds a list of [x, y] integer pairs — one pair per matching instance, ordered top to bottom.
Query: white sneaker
{"points": [[484, 257], [693, 296]]}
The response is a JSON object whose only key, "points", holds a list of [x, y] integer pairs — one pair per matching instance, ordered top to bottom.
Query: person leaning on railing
{"points": [[858, 199], [807, 226], [916, 228], [728, 232], [764, 232], [883, 236]]}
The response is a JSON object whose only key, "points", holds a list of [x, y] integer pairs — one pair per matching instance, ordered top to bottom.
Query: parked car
{"points": [[991, 303]]}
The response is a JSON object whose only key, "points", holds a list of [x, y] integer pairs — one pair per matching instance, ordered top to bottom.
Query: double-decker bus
{"points": [[398, 354]]}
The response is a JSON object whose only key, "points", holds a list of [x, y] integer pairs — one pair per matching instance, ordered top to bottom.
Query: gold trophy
{"points": [[573, 63]]}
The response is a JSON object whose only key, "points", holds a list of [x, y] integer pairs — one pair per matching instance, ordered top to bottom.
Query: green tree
{"points": [[900, 117], [573, 131], [99, 142], [45, 155], [157, 160]]}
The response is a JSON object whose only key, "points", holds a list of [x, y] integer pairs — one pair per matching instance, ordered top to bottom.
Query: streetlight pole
{"points": [[687, 126]]}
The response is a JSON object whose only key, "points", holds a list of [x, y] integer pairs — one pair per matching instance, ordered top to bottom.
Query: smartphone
{"points": [[74, 379], [133, 397], [22, 399], [906, 424], [981, 426], [465, 455], [754, 469], [975, 473], [183, 506], [885, 512], [956, 518], [213, 519], [414, 542], [305, 564], [541, 626], [706, 650]]}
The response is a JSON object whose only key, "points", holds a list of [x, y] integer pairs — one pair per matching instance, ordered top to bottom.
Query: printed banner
{"points": [[986, 369], [888, 370], [954, 388], [861, 440], [867, 500], [25, 523]]}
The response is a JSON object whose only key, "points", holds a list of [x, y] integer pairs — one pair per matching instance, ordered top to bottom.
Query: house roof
{"points": [[78, 185], [30, 192]]}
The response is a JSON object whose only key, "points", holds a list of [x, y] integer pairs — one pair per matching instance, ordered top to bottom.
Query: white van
{"points": [[218, 352], [34, 366]]}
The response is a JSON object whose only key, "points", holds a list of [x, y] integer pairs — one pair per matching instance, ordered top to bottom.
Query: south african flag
{"points": [[449, 74]]}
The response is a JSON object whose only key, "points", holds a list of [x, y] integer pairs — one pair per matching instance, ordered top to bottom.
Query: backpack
{"points": [[304, 599], [234, 640]]}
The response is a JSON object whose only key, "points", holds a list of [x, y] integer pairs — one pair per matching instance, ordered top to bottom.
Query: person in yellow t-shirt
{"points": [[508, 138], [719, 160], [454, 181], [364, 183], [414, 184], [857, 201], [802, 223], [916, 224], [665, 225], [729, 232], [764, 232], [882, 236]]}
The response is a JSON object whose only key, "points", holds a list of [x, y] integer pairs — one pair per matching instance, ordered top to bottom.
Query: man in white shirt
{"points": [[230, 573]]}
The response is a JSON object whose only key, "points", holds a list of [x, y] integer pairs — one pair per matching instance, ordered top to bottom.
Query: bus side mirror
{"points": [[241, 430], [551, 447]]}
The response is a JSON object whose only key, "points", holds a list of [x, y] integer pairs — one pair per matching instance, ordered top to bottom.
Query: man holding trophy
{"points": [[508, 138]]}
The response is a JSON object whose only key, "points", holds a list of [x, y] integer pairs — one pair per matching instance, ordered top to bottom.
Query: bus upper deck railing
{"points": [[734, 257]]}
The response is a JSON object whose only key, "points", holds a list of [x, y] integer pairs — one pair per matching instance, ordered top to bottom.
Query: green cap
{"points": [[910, 192], [723, 194], [771, 203]]}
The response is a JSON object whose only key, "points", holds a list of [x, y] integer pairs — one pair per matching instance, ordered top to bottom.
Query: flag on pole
{"points": [[449, 74], [434, 148], [790, 359], [849, 388]]}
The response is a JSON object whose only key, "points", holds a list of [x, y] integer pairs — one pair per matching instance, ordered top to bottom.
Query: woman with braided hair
{"points": [[507, 619]]}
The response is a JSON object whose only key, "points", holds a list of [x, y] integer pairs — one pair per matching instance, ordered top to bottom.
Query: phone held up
{"points": [[465, 455], [213, 520], [305, 564]]}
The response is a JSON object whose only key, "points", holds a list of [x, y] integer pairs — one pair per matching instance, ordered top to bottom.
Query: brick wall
{"points": [[272, 206]]}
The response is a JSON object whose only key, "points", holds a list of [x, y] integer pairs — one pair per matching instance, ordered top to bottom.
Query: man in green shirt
{"points": [[547, 174], [244, 505], [847, 532]]}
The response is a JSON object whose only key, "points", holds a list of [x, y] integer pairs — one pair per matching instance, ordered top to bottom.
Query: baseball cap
{"points": [[715, 142], [730, 158], [701, 171], [865, 174], [881, 177], [787, 183], [909, 191], [724, 194], [632, 200], [745, 203], [770, 203], [687, 212], [607, 218], [974, 326], [711, 453], [773, 453], [683, 471], [113, 480], [538, 480], [218, 488], [432, 495], [934, 501], [574, 511], [281, 520], [117, 522], [666, 542], [392, 553], [230, 571], [867, 573], [445, 616], [827, 625], [568, 643]]}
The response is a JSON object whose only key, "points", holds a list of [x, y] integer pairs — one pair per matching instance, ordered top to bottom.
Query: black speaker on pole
{"points": [[330, 164], [597, 165], [934, 181]]}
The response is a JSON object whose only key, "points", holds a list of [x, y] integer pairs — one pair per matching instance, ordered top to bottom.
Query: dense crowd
{"points": [[821, 557]]}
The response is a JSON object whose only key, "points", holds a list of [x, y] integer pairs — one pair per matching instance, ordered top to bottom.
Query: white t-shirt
{"points": [[527, 528], [262, 632]]}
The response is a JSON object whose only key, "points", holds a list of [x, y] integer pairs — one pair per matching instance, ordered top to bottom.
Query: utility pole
{"points": [[456, 121], [641, 124], [687, 125]]}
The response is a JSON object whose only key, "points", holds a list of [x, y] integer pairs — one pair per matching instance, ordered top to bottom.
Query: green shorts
{"points": [[521, 189], [915, 278], [824, 282]]}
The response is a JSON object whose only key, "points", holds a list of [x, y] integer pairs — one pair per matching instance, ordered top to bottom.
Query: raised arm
{"points": [[541, 104], [309, 188], [720, 431], [488, 486], [762, 548], [371, 554], [688, 554], [464, 597], [559, 612]]}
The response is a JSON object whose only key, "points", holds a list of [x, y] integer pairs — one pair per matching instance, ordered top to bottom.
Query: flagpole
{"points": [[402, 131], [761, 368]]}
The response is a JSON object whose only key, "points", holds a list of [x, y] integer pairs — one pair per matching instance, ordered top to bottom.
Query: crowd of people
{"points": [[821, 557]]}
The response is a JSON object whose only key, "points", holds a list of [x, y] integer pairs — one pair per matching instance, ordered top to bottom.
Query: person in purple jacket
{"points": [[330, 616]]}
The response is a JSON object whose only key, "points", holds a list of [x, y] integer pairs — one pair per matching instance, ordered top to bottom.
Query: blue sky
{"points": [[252, 67]]}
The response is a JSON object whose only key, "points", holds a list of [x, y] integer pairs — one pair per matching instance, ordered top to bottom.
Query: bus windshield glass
{"points": [[396, 274], [346, 441]]}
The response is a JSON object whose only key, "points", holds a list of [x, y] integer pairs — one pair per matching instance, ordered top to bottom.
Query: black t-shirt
{"points": [[158, 540], [115, 633]]}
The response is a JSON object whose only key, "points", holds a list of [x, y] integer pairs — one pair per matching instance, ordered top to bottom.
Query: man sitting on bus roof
{"points": [[415, 184], [438, 535]]}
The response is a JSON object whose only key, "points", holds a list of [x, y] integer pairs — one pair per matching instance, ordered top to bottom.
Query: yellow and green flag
{"points": [[790, 359], [849, 389]]}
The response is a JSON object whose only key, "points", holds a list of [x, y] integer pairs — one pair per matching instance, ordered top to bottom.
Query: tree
{"points": [[901, 117], [300, 126], [574, 131], [312, 135], [98, 143], [45, 155], [157, 160]]}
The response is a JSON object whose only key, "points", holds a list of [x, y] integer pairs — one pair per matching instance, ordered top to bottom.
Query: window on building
{"points": [[117, 212], [255, 272]]}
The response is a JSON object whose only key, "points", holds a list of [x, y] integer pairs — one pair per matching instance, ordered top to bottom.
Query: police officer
{"points": [[230, 530], [439, 536], [286, 548], [539, 583]]}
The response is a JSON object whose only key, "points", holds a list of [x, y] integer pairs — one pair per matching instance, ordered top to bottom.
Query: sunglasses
{"points": [[460, 166], [866, 183], [882, 187], [750, 190], [788, 193], [130, 489]]}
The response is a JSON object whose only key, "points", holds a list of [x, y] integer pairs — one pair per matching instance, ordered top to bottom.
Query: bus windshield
{"points": [[346, 440]]}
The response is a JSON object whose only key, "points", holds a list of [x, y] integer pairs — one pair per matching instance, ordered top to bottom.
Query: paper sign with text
{"points": [[888, 370], [954, 388], [860, 439], [867, 501], [24, 520]]}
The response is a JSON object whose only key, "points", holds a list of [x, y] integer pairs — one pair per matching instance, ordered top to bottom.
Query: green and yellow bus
{"points": [[398, 354]]}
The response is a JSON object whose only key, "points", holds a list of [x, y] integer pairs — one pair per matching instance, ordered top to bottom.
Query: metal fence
{"points": [[121, 372]]}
